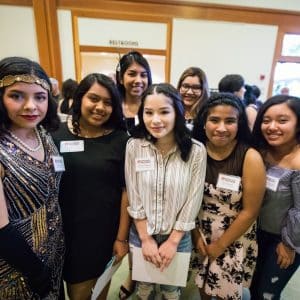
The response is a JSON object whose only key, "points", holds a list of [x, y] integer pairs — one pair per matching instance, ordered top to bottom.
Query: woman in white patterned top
{"points": [[164, 171]]}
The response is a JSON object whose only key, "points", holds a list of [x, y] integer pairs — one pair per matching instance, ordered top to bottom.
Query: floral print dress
{"points": [[225, 276]]}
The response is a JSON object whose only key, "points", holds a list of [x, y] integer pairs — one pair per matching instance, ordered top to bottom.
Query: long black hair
{"points": [[125, 62], [182, 134]]}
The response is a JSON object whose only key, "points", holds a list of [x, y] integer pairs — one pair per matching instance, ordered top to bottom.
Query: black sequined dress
{"points": [[31, 192]]}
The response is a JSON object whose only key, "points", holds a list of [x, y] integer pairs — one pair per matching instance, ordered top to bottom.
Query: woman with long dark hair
{"points": [[277, 136], [92, 194], [31, 235]]}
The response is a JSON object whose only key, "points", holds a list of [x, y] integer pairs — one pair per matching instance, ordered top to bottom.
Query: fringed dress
{"points": [[31, 193]]}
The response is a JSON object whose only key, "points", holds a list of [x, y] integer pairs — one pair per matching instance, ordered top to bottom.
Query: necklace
{"points": [[87, 134], [24, 145], [164, 150]]}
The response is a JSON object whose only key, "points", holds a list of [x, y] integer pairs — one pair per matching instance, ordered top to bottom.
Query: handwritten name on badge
{"points": [[71, 146], [58, 163], [144, 164], [229, 182], [272, 183]]}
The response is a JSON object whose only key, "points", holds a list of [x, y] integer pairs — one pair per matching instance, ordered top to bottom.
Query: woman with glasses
{"points": [[194, 91]]}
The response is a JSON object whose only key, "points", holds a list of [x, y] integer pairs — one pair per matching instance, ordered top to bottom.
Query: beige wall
{"points": [[17, 32], [220, 48]]}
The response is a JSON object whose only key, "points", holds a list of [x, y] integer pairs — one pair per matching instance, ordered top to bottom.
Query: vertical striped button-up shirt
{"points": [[166, 191]]}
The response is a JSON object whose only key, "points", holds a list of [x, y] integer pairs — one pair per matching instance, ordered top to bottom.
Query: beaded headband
{"points": [[27, 78]]}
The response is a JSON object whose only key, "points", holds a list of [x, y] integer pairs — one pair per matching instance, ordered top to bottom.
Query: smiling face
{"points": [[135, 80], [190, 90], [26, 104], [96, 106], [159, 117], [221, 125], [279, 125]]}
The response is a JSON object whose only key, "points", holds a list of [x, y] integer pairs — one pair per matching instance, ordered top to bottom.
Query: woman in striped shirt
{"points": [[164, 171]]}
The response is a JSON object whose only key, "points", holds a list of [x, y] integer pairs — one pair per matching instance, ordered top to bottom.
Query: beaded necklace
{"points": [[24, 145]]}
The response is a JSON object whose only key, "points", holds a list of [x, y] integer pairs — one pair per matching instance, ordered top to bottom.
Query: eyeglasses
{"points": [[196, 88]]}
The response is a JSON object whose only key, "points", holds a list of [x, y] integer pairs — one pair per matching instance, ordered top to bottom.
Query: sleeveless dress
{"points": [[31, 192], [90, 198], [225, 276]]}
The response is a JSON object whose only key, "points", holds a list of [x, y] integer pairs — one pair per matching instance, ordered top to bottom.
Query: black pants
{"points": [[268, 278]]}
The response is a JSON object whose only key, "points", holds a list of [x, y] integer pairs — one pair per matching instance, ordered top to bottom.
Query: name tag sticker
{"points": [[136, 120], [71, 146], [58, 163], [144, 164], [229, 182], [272, 183]]}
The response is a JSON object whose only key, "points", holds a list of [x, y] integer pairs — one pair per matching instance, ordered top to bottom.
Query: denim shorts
{"points": [[146, 290]]}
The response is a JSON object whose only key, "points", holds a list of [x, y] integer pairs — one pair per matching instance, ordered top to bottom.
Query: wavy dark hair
{"points": [[125, 62], [15, 65], [195, 71], [68, 89], [249, 96], [293, 103], [116, 118], [243, 133], [182, 134]]}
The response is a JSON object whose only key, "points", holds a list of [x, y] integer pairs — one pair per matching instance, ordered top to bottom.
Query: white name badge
{"points": [[136, 120], [71, 146], [58, 163], [144, 164], [229, 182], [272, 183]]}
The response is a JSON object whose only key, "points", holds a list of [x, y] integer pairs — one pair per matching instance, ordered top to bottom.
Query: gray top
{"points": [[280, 212]]}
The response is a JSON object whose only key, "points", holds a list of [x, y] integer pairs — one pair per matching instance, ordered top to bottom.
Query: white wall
{"points": [[17, 32], [98, 32], [66, 43], [220, 48]]}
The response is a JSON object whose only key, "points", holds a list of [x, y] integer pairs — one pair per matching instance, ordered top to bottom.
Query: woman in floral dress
{"points": [[225, 239]]}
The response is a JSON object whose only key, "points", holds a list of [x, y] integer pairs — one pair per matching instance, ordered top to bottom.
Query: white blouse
{"points": [[164, 190]]}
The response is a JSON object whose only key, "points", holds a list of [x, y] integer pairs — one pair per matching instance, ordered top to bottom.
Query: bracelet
{"points": [[122, 241]]}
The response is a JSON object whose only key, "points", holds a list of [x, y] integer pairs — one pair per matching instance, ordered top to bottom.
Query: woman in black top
{"points": [[92, 195]]}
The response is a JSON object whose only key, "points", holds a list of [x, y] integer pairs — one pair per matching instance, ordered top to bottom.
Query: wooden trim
{"points": [[16, 2], [216, 5], [187, 10], [166, 11], [119, 16], [42, 34], [53, 36], [48, 37], [76, 47], [84, 48], [169, 52], [277, 53], [291, 59]]}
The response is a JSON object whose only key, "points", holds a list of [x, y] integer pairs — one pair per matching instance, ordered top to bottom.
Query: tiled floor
{"points": [[291, 292]]}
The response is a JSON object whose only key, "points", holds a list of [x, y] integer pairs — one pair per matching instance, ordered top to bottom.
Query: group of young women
{"points": [[190, 175]]}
